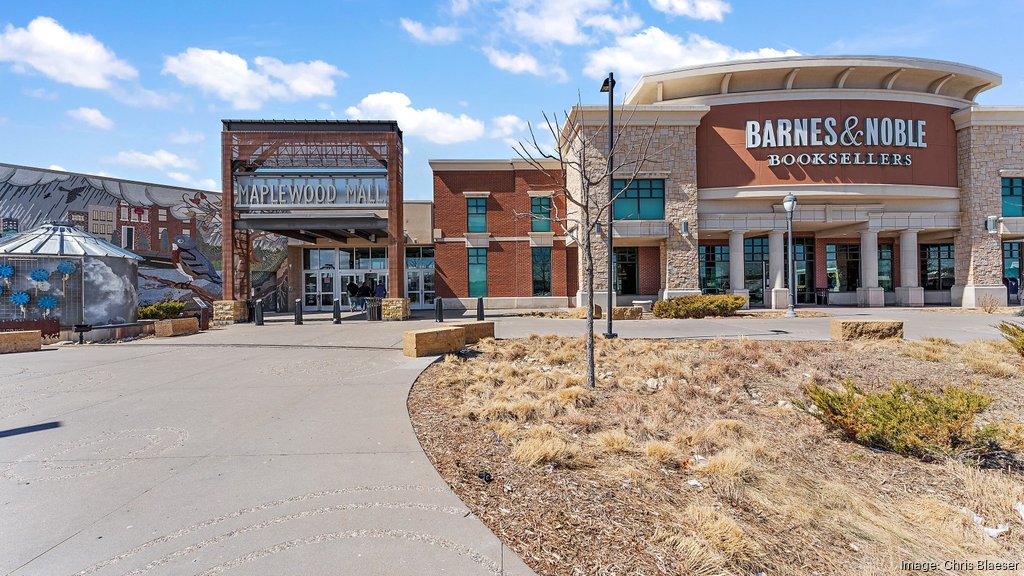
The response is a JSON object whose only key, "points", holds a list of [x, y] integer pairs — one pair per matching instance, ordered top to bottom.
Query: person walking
{"points": [[353, 291], [380, 291], [364, 293]]}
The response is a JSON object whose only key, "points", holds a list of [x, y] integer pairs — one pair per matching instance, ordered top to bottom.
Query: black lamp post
{"points": [[609, 86], [789, 203]]}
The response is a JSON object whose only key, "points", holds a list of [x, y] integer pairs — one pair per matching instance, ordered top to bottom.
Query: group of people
{"points": [[357, 294]]}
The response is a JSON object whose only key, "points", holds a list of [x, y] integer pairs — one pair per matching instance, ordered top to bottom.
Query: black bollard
{"points": [[479, 309], [438, 310], [298, 311], [337, 311], [259, 312]]}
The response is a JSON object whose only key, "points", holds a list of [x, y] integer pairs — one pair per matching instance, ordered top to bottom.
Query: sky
{"points": [[138, 90]]}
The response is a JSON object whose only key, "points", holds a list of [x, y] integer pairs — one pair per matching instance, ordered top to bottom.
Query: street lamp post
{"points": [[609, 87], [789, 203]]}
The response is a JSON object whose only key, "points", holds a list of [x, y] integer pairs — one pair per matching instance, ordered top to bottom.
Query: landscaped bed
{"points": [[696, 458]]}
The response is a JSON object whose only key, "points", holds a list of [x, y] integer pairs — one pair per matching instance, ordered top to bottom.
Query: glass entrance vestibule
{"points": [[327, 274]]}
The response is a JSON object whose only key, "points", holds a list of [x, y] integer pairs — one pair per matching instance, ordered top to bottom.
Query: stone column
{"points": [[777, 269], [736, 276], [908, 293], [869, 294]]}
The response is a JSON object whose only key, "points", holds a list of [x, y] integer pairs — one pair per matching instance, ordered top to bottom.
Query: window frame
{"points": [[649, 192], [1012, 198], [540, 214], [476, 215], [942, 255], [473, 258], [545, 278]]}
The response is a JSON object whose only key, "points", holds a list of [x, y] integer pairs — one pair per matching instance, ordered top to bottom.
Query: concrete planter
{"points": [[176, 327], [20, 341]]}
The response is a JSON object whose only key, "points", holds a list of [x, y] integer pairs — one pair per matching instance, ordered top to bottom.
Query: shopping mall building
{"points": [[908, 192]]}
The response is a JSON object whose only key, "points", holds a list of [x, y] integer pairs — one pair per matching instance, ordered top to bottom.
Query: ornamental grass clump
{"points": [[698, 306], [161, 310], [1014, 334], [914, 422]]}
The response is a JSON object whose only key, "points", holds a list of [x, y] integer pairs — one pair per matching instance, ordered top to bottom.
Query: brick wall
{"points": [[509, 252], [649, 264]]}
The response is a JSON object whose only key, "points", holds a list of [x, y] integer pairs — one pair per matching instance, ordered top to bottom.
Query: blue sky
{"points": [[137, 89]]}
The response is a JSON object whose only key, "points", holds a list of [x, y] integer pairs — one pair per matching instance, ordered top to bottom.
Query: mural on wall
{"points": [[177, 231]]}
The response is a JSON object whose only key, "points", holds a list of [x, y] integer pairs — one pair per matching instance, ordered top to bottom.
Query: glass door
{"points": [[755, 270], [419, 286]]}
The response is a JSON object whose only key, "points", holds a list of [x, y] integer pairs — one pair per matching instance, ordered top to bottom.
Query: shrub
{"points": [[698, 306], [161, 310], [1014, 334], [913, 422]]}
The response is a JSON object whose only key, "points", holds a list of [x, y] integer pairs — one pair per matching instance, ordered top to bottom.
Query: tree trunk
{"points": [[588, 266]]}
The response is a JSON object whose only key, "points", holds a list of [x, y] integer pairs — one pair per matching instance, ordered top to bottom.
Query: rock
{"points": [[866, 329]]}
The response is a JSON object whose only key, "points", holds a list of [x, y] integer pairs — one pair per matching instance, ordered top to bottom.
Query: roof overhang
{"points": [[835, 74], [310, 227]]}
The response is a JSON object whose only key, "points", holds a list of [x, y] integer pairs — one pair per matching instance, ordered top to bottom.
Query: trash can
{"points": [[373, 308]]}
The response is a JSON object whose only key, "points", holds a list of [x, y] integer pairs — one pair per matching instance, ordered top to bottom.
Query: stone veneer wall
{"points": [[982, 151], [673, 156]]}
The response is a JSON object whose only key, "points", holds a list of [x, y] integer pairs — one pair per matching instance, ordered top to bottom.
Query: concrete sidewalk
{"points": [[243, 450]]}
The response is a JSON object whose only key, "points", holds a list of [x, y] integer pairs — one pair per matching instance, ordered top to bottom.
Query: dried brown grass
{"points": [[601, 476]]}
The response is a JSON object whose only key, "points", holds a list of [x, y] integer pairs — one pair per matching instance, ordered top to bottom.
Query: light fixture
{"points": [[789, 203], [599, 228]]}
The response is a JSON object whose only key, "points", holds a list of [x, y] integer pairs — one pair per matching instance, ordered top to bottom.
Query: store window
{"points": [[1013, 197], [642, 200], [540, 212], [476, 219], [419, 257], [842, 266], [937, 266], [885, 267], [1012, 268], [714, 269], [541, 271], [477, 272]]}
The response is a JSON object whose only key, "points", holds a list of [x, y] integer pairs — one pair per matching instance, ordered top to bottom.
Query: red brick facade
{"points": [[148, 223], [509, 246], [649, 264]]}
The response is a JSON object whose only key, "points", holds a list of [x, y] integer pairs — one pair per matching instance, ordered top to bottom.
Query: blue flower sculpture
{"points": [[66, 267], [6, 270], [39, 275], [20, 298], [47, 302]]}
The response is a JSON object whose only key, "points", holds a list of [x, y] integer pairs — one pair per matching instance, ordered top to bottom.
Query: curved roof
{"points": [[881, 76], [61, 239]]}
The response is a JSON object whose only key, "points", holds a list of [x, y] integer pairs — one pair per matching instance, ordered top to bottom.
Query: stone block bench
{"points": [[645, 304], [627, 312], [177, 327], [866, 329], [477, 331], [20, 341], [432, 341]]}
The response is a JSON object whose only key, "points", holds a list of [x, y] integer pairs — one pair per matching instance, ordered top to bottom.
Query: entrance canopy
{"points": [[310, 227]]}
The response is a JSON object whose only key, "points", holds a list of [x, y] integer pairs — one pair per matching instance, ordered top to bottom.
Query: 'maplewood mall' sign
{"points": [[899, 135], [285, 192]]}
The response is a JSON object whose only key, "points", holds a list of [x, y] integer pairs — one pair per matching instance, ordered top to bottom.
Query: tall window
{"points": [[1013, 197], [643, 200], [476, 209], [540, 212], [128, 237], [165, 243], [419, 257], [842, 265], [937, 266], [885, 267], [1011, 267], [714, 269], [541, 271], [477, 272]]}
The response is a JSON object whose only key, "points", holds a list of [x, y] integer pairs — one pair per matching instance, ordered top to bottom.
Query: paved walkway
{"points": [[278, 449], [243, 450]]}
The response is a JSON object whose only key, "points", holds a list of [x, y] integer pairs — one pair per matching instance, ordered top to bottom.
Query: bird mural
{"points": [[73, 193], [187, 258]]}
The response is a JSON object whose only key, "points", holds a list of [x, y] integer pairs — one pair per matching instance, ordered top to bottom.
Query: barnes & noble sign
{"points": [[899, 135]]}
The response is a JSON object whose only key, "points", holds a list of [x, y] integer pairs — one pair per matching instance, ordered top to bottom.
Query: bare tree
{"points": [[580, 177]]}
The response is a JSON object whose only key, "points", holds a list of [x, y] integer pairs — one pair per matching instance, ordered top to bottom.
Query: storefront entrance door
{"points": [[625, 270], [419, 285]]}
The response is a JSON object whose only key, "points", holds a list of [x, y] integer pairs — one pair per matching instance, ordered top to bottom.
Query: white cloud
{"points": [[460, 7], [699, 9], [568, 21], [435, 35], [654, 49], [76, 59], [522, 63], [229, 77], [42, 94], [92, 117], [429, 123], [507, 125], [183, 136], [161, 160], [57, 167], [188, 180]]}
